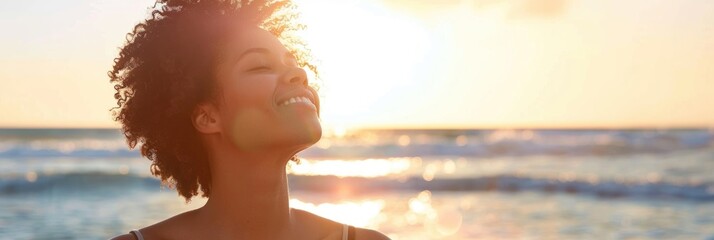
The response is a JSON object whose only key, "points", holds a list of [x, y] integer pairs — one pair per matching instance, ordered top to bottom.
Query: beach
{"points": [[408, 184]]}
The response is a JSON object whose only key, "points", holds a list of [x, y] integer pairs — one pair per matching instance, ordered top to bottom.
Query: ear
{"points": [[205, 119]]}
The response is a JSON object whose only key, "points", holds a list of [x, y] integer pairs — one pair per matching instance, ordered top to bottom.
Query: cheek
{"points": [[250, 91], [248, 108], [244, 128]]}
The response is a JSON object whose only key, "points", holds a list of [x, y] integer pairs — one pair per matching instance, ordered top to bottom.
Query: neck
{"points": [[249, 195]]}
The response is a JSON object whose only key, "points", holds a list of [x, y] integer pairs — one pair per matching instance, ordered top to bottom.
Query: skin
{"points": [[250, 139]]}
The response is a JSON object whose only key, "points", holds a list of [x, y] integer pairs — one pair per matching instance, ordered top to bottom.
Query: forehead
{"points": [[252, 37]]}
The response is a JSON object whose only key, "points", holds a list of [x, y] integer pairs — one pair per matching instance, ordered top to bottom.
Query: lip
{"points": [[297, 93]]}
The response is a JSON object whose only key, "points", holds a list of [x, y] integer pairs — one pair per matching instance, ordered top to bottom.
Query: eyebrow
{"points": [[259, 50], [249, 51]]}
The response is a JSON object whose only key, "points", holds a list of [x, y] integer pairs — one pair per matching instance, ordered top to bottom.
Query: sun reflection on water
{"points": [[354, 168], [359, 214], [439, 222]]}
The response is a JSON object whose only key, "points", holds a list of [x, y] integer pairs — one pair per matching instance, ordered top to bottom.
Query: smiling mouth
{"points": [[297, 100]]}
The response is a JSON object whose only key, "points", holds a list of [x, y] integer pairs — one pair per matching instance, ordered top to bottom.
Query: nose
{"points": [[296, 75]]}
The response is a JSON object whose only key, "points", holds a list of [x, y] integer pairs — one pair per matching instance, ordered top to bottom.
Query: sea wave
{"points": [[393, 143], [65, 147], [74, 182], [79, 182], [509, 183]]}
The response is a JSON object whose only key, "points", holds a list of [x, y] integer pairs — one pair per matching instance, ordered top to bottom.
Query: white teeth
{"points": [[295, 100]]}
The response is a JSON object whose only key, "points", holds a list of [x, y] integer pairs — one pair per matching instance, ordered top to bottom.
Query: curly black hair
{"points": [[165, 69]]}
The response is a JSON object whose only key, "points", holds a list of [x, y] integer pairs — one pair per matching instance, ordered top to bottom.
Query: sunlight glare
{"points": [[364, 52], [354, 168], [358, 214]]}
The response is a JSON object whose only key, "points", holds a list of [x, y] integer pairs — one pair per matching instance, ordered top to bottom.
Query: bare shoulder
{"points": [[311, 217], [170, 228], [333, 228], [364, 234], [127, 236]]}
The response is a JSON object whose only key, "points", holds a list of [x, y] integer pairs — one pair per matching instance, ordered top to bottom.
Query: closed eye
{"points": [[259, 68]]}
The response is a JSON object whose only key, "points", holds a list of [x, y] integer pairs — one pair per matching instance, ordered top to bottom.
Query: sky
{"points": [[409, 64]]}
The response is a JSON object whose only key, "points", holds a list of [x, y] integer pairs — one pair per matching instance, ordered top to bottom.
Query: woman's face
{"points": [[265, 100]]}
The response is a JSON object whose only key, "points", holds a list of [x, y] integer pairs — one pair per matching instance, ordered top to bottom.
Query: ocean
{"points": [[408, 184]]}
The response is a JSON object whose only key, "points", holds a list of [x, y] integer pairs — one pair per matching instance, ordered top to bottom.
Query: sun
{"points": [[365, 53]]}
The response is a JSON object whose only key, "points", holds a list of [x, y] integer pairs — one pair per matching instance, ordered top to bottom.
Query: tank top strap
{"points": [[348, 232], [137, 234]]}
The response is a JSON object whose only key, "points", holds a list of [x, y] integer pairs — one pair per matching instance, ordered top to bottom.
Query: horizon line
{"points": [[427, 127]]}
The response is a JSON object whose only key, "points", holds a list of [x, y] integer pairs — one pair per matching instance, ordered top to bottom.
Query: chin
{"points": [[313, 134], [305, 135], [318, 135]]}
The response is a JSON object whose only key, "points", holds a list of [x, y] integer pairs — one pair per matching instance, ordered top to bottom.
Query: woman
{"points": [[220, 105]]}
